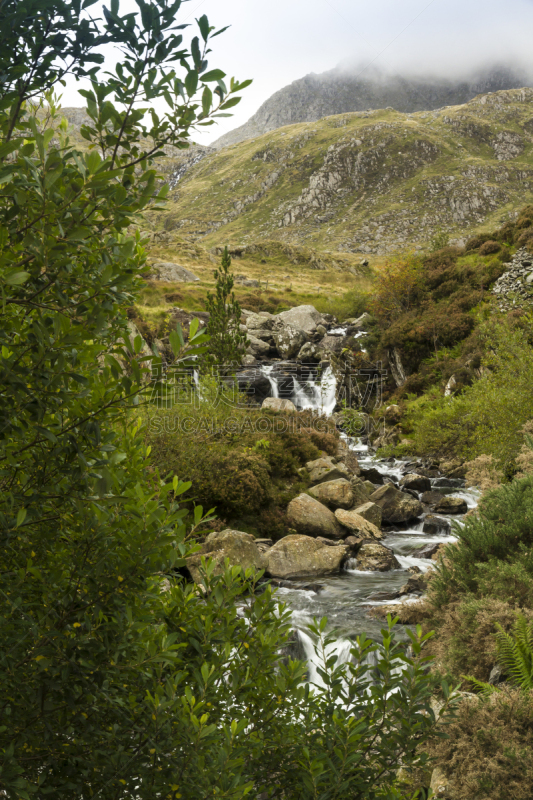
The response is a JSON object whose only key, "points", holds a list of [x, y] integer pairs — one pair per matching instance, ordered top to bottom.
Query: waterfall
{"points": [[267, 372], [316, 393]]}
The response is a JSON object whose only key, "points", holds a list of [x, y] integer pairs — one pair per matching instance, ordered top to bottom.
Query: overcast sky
{"points": [[282, 40]]}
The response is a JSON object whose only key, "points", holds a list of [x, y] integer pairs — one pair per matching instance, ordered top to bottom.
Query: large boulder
{"points": [[172, 273], [306, 318], [261, 320], [289, 341], [257, 347], [309, 352], [278, 404], [325, 469], [419, 483], [361, 492], [334, 494], [431, 498], [451, 504], [395, 505], [371, 512], [310, 517], [358, 525], [238, 547], [303, 556], [375, 557]]}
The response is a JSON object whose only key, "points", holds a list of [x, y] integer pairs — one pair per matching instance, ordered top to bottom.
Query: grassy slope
{"points": [[391, 179]]}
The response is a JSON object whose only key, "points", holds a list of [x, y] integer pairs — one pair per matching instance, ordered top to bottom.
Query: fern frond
{"points": [[515, 652], [486, 689]]}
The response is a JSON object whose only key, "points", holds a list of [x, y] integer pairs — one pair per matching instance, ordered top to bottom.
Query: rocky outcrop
{"points": [[514, 289], [334, 494], [396, 506], [310, 517], [238, 547], [297, 556], [375, 557]]}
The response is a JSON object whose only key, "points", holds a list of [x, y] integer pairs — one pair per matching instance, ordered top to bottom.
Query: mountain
{"points": [[339, 91], [363, 182]]}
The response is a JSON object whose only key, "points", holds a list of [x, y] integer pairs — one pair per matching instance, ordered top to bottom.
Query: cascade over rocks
{"points": [[310, 517], [434, 525], [298, 556]]}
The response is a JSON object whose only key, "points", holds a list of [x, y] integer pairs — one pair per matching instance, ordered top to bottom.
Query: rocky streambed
{"points": [[364, 535]]}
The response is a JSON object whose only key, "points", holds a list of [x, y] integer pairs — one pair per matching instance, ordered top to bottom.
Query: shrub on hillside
{"points": [[489, 247], [489, 415], [497, 539], [464, 643], [488, 751]]}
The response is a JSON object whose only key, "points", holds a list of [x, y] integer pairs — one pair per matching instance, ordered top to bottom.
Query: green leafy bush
{"points": [[488, 417]]}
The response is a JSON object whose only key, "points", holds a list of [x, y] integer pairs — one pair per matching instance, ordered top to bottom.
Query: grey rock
{"points": [[169, 272], [305, 318], [289, 341], [278, 404], [417, 482], [334, 494], [395, 505], [451, 505], [311, 518], [436, 526], [237, 546], [298, 556], [375, 557]]}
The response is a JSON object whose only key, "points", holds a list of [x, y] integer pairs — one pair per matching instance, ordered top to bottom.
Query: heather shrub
{"points": [[525, 237], [487, 248], [483, 473], [464, 643], [488, 751]]}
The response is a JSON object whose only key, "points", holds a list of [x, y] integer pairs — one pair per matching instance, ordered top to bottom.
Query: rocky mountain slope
{"points": [[335, 92], [364, 182]]}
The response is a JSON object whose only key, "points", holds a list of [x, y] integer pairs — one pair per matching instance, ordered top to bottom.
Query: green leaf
{"points": [[203, 24], [213, 75], [191, 83], [16, 278], [21, 516]]}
